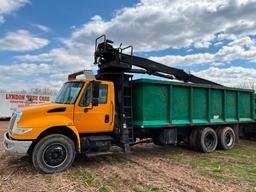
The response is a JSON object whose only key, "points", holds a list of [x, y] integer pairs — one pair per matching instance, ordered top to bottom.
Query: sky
{"points": [[42, 41]]}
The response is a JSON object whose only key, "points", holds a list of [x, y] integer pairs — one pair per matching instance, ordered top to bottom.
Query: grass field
{"points": [[237, 166], [148, 168], [234, 169]]}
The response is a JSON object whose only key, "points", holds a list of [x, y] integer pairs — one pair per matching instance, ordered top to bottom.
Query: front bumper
{"points": [[15, 147]]}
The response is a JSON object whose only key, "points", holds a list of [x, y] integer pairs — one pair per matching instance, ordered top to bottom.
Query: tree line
{"points": [[36, 91]]}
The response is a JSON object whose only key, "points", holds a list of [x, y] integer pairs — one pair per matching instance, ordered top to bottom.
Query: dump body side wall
{"points": [[158, 104]]}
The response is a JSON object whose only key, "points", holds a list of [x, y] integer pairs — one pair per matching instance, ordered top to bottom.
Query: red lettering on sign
{"points": [[14, 97], [44, 98]]}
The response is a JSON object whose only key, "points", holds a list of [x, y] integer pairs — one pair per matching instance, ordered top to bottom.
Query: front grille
{"points": [[13, 120]]}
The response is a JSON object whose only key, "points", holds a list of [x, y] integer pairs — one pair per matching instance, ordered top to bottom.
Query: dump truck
{"points": [[91, 115]]}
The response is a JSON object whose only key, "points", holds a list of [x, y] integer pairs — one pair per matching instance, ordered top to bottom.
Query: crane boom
{"points": [[110, 59]]}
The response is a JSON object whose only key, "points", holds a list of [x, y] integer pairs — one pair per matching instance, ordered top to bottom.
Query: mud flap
{"points": [[236, 130], [168, 136]]}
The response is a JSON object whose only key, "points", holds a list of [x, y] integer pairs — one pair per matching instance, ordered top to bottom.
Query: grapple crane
{"points": [[110, 59]]}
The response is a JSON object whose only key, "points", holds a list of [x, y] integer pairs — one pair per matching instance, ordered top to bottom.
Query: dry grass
{"points": [[148, 168]]}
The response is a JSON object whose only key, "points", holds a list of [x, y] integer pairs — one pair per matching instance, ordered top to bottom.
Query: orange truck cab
{"points": [[52, 133]]}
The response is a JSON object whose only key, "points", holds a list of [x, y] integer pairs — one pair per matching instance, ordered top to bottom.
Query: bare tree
{"points": [[248, 85], [2, 91], [36, 91], [44, 91]]}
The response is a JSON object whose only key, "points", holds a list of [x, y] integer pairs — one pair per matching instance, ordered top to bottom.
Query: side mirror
{"points": [[95, 93], [95, 102]]}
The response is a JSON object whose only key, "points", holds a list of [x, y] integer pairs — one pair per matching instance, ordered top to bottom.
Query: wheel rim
{"points": [[229, 139], [209, 141], [55, 155]]}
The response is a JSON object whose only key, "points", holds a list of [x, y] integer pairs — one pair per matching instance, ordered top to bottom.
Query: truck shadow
{"points": [[142, 151], [149, 151], [23, 166]]}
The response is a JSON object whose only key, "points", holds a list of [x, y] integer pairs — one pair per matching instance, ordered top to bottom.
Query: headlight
{"points": [[15, 119], [14, 124], [20, 131]]}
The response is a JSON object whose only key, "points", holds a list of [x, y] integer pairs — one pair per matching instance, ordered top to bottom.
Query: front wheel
{"points": [[53, 153]]}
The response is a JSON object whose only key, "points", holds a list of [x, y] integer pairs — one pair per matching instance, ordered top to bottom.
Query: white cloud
{"points": [[9, 6], [1, 19], [153, 25], [157, 25], [42, 27], [222, 36], [21, 40], [245, 41], [202, 44], [217, 44], [243, 48], [44, 57], [61, 58], [188, 60], [26, 69], [26, 76], [231, 76], [48, 83], [13, 84]]}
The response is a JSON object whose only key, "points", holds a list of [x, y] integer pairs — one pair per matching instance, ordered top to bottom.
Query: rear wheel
{"points": [[226, 137], [193, 138], [207, 140], [53, 153]]}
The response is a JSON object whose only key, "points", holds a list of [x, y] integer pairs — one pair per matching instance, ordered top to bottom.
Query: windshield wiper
{"points": [[58, 102]]}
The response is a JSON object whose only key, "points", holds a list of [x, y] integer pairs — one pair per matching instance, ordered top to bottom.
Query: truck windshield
{"points": [[69, 93]]}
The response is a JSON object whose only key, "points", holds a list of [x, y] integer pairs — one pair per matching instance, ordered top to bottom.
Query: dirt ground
{"points": [[148, 168]]}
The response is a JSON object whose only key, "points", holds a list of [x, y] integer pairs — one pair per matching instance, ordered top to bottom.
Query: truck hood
{"points": [[43, 107], [36, 116]]}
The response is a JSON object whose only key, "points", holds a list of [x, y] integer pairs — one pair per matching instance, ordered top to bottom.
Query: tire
{"points": [[193, 137], [226, 138], [179, 140], [208, 140], [157, 141], [53, 153]]}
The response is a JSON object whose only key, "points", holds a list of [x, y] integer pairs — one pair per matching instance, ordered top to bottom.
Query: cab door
{"points": [[95, 119]]}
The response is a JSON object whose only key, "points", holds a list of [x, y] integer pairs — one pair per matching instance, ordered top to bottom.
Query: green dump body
{"points": [[158, 104]]}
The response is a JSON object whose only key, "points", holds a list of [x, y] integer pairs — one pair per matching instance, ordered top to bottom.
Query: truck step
{"points": [[98, 154]]}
